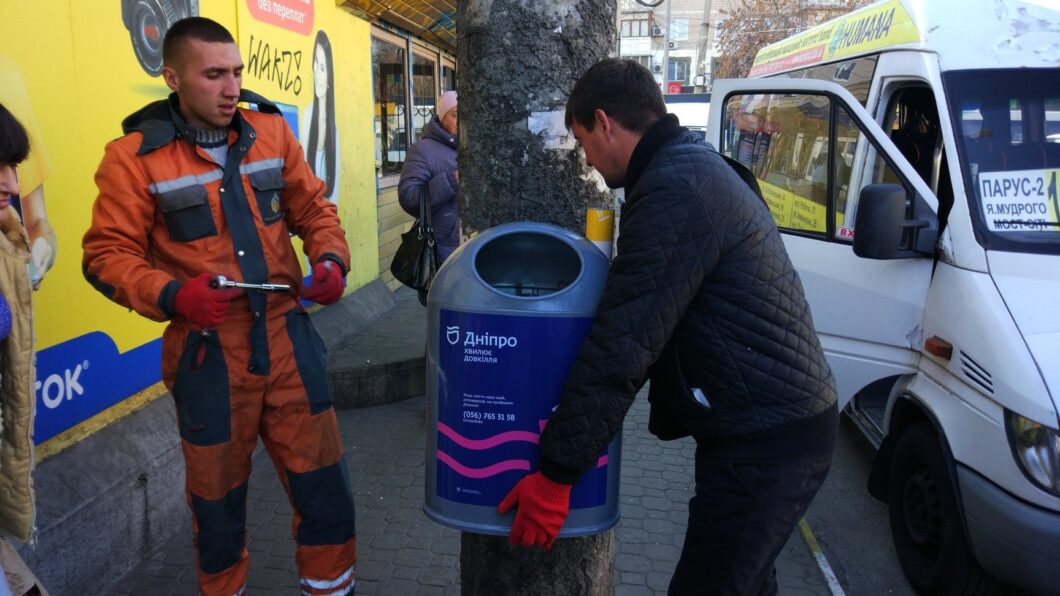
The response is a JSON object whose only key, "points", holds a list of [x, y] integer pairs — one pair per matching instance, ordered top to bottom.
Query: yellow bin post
{"points": [[600, 228]]}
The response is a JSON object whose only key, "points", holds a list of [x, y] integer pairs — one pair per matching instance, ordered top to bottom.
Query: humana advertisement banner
{"points": [[872, 28], [70, 72]]}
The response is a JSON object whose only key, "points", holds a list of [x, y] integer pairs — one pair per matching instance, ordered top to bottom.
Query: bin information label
{"points": [[1024, 201], [499, 380]]}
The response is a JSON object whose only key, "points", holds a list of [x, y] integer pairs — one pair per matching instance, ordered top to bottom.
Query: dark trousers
{"points": [[743, 513]]}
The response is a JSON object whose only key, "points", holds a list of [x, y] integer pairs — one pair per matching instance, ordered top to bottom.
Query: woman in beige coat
{"points": [[17, 374]]}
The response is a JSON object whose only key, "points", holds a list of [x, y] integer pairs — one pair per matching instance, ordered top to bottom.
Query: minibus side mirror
{"points": [[878, 224], [881, 230]]}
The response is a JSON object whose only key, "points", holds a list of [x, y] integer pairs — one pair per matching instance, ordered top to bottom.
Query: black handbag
{"points": [[416, 260]]}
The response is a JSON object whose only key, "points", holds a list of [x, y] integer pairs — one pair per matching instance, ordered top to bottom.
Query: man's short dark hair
{"points": [[199, 28], [624, 89], [14, 143]]}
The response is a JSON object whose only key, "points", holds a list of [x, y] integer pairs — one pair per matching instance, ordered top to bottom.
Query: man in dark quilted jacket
{"points": [[703, 301]]}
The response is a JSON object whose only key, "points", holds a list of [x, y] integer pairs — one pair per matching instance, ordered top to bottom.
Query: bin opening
{"points": [[528, 264]]}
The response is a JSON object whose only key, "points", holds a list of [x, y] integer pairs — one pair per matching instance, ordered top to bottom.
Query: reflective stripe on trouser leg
{"points": [[301, 433], [340, 586]]}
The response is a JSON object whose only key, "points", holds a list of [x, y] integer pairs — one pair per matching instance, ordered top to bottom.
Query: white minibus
{"points": [[910, 154]]}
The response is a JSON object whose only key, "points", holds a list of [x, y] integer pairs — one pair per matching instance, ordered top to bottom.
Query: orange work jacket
{"points": [[167, 212]]}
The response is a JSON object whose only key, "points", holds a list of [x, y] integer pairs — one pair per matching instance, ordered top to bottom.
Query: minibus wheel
{"points": [[925, 521]]}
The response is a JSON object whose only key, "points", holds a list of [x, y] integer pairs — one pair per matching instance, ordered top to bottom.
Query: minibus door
{"points": [[814, 151]]}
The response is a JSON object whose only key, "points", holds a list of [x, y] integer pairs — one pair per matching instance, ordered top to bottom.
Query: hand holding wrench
{"points": [[220, 281]]}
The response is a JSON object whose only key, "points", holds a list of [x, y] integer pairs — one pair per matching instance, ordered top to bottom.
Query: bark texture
{"points": [[519, 58], [574, 567]]}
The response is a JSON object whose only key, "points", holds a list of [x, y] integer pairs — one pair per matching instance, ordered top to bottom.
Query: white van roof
{"points": [[966, 34]]}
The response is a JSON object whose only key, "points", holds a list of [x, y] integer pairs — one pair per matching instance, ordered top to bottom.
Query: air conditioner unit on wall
{"points": [[656, 31], [672, 45], [656, 67]]}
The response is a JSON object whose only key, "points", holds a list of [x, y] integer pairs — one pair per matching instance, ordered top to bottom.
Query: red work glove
{"points": [[326, 285], [202, 305], [543, 507]]}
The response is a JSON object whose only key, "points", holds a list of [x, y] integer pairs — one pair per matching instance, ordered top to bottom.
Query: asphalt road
{"points": [[851, 526]]}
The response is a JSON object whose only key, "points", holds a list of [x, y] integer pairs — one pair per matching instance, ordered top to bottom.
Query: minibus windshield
{"points": [[1007, 123]]}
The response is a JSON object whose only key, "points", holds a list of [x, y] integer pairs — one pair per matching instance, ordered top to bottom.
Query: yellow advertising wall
{"points": [[71, 71]]}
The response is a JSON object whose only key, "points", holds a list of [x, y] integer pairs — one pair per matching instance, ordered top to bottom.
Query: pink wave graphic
{"points": [[491, 442], [483, 444], [493, 470]]}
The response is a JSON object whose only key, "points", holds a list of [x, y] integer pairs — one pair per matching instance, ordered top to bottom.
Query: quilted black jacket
{"points": [[701, 295]]}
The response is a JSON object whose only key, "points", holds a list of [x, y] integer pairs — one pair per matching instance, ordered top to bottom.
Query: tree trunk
{"points": [[518, 60], [574, 567]]}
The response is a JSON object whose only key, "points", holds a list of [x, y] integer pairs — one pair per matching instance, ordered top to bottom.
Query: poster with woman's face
{"points": [[321, 81], [320, 134]]}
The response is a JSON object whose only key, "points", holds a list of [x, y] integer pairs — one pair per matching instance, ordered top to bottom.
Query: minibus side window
{"points": [[914, 127], [784, 139], [850, 139], [810, 167], [883, 171], [850, 177]]}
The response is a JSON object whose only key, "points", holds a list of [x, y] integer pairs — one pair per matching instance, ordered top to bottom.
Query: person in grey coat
{"points": [[430, 171]]}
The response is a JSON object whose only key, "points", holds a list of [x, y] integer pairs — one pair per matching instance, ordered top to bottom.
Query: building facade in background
{"points": [[708, 39], [680, 52]]}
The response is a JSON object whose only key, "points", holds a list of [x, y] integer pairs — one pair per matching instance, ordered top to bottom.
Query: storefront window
{"points": [[448, 77], [389, 82], [424, 90]]}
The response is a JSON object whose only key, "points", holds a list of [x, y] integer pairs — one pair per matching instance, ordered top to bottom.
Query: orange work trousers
{"points": [[222, 409]]}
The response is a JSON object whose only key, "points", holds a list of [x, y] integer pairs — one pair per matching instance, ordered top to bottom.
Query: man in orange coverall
{"points": [[197, 188]]}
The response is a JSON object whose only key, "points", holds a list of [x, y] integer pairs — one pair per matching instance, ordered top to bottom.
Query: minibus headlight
{"points": [[1036, 448]]}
